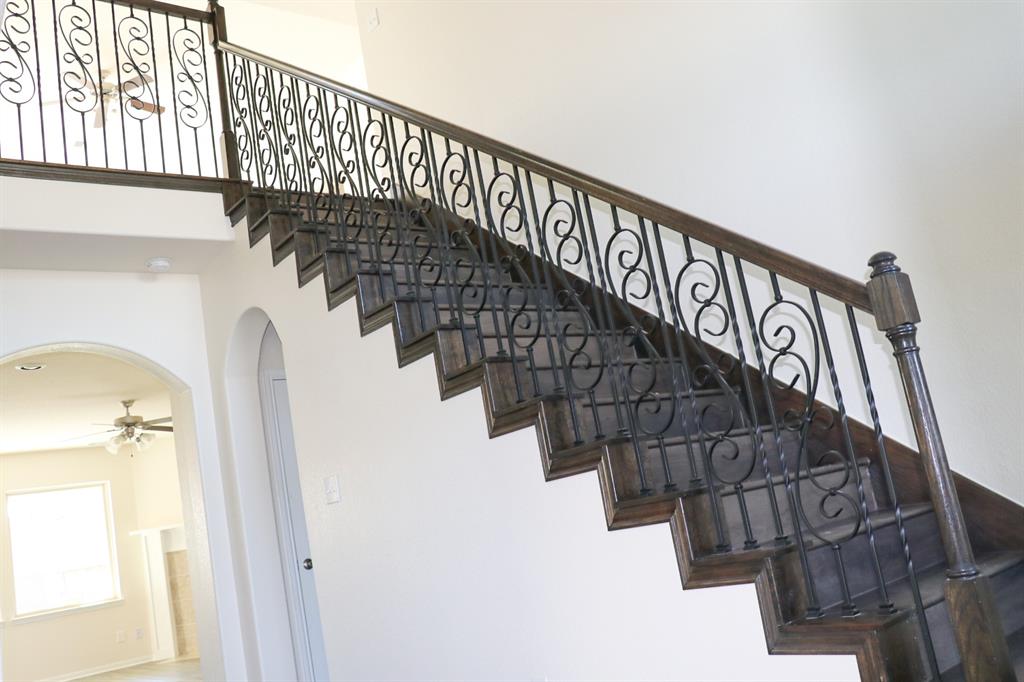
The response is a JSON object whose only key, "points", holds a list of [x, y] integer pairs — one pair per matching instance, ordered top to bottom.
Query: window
{"points": [[61, 548]]}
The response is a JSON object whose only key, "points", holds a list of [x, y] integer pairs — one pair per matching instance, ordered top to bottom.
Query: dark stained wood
{"points": [[167, 8], [218, 32], [38, 170], [984, 655]]}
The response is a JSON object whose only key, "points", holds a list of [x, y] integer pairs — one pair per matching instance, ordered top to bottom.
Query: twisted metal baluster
{"points": [[174, 87], [156, 92], [883, 456], [886, 605]]}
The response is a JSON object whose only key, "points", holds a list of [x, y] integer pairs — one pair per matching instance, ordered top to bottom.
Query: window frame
{"points": [[112, 550]]}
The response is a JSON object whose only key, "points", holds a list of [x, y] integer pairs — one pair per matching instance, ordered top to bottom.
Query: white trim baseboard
{"points": [[100, 669]]}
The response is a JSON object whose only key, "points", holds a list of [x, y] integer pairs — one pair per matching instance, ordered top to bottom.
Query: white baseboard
{"points": [[100, 669]]}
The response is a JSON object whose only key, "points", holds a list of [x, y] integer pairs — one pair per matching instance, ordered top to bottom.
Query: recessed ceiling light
{"points": [[158, 264], [30, 367]]}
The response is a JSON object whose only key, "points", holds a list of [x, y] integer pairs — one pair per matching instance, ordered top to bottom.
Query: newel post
{"points": [[229, 147], [976, 623]]}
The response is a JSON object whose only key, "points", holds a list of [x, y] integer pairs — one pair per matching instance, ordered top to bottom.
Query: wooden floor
{"points": [[163, 671]]}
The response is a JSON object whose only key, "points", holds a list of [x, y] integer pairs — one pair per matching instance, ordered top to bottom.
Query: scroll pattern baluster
{"points": [[111, 84]]}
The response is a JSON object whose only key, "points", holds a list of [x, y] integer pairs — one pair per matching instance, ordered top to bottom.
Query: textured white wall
{"points": [[830, 130], [155, 322], [449, 557]]}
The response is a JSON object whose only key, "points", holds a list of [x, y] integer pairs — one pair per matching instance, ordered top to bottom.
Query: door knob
{"points": [[308, 564]]}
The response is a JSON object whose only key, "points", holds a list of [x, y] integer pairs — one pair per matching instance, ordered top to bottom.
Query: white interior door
{"points": [[297, 561]]}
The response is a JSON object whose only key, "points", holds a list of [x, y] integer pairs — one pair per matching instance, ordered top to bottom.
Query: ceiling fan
{"points": [[110, 94], [131, 431]]}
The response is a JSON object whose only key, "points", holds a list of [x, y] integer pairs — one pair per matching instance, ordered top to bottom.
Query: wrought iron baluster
{"points": [[99, 69], [17, 85], [60, 88], [174, 89], [156, 94], [209, 100], [548, 265], [543, 281], [773, 416], [754, 424], [890, 487], [886, 604]]}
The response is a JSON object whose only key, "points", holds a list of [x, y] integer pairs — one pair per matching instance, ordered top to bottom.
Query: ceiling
{"points": [[73, 396]]}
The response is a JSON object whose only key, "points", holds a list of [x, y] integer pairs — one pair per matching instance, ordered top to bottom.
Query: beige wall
{"points": [[297, 31], [830, 130], [144, 494], [158, 496], [57, 646]]}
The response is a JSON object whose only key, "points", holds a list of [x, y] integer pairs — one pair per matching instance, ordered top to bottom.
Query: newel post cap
{"points": [[892, 296]]}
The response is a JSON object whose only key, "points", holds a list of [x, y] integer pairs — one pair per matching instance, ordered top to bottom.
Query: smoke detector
{"points": [[158, 264]]}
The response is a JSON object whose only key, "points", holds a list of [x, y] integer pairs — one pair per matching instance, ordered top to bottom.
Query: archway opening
{"points": [[99, 551]]}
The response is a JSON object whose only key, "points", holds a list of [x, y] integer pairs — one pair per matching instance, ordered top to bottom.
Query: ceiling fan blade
{"points": [[136, 81], [148, 106], [161, 420], [167, 429], [89, 435]]}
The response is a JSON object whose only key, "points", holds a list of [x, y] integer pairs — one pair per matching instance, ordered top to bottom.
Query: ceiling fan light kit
{"points": [[133, 432]]}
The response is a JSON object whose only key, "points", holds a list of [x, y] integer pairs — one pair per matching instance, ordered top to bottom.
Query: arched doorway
{"points": [[62, 390], [283, 638]]}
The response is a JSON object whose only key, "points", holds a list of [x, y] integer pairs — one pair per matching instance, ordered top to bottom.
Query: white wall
{"points": [[297, 31], [830, 130], [155, 322], [449, 557], [76, 643]]}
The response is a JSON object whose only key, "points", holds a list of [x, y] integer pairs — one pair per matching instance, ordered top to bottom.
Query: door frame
{"points": [[298, 614]]}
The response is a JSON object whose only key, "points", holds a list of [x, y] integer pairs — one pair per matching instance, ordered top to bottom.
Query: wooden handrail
{"points": [[167, 8], [840, 287]]}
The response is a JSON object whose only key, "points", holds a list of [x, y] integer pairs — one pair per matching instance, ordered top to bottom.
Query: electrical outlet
{"points": [[373, 21], [139, 634], [119, 636]]}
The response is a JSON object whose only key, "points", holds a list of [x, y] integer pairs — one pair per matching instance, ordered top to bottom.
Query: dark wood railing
{"points": [[761, 323]]}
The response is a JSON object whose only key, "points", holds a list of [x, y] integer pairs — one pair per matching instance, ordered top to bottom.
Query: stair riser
{"points": [[858, 562], [1009, 599]]}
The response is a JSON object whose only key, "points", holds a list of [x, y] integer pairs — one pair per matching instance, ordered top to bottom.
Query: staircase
{"points": [[483, 325], [701, 374]]}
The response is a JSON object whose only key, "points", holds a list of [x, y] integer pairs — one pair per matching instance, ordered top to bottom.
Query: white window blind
{"points": [[61, 548]]}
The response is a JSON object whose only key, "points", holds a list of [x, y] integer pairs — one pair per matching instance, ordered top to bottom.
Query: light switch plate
{"points": [[332, 491]]}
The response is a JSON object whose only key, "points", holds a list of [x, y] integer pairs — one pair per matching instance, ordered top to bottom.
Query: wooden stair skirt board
{"points": [[579, 431]]}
